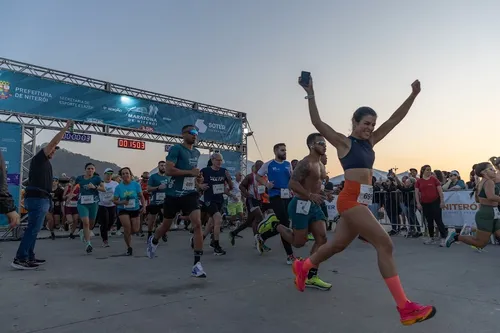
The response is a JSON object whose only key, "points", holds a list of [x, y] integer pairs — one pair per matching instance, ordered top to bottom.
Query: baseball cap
{"points": [[108, 170], [329, 186]]}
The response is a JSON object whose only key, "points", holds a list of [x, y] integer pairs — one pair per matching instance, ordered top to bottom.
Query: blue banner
{"points": [[36, 96], [11, 144], [232, 161]]}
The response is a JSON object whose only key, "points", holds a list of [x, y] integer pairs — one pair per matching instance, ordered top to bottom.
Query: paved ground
{"points": [[107, 292]]}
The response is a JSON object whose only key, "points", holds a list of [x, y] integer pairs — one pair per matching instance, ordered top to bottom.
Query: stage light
{"points": [[125, 99]]}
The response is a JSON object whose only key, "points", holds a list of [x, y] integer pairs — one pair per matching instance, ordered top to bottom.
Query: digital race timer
{"points": [[131, 144]]}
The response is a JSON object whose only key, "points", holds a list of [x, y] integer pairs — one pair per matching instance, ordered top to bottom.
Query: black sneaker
{"points": [[52, 236], [71, 236], [164, 238], [212, 244], [88, 249], [129, 251], [218, 251], [38, 261], [23, 265]]}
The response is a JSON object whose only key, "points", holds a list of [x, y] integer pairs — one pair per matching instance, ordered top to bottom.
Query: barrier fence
{"points": [[388, 207]]}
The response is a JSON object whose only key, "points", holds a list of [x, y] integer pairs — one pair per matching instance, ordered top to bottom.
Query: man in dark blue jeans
{"points": [[37, 201]]}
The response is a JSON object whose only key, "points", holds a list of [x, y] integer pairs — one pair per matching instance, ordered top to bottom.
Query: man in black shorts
{"points": [[157, 186], [182, 195]]}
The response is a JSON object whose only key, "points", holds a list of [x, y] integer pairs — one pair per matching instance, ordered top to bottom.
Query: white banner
{"points": [[460, 209]]}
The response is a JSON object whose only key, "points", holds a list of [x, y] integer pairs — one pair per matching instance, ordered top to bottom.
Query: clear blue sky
{"points": [[246, 55]]}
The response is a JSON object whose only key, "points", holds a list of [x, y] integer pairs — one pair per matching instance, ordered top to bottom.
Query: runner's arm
{"points": [[397, 116], [261, 173], [300, 173], [229, 181], [244, 186], [101, 187]]}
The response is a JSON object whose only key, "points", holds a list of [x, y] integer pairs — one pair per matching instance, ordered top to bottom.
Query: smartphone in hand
{"points": [[305, 78]]}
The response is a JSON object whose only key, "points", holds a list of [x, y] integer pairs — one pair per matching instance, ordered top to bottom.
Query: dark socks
{"points": [[155, 241], [197, 256], [312, 272]]}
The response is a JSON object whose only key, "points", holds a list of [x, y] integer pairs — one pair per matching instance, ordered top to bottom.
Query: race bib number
{"points": [[189, 184], [218, 188], [261, 189], [285, 193], [365, 194], [108, 196], [160, 196], [86, 199], [71, 204], [130, 204], [303, 207], [497, 213]]}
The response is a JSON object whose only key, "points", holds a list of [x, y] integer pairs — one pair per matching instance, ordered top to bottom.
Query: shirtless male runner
{"points": [[305, 207]]}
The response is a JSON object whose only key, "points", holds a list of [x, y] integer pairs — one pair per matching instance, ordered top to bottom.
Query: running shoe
{"points": [[52, 236], [232, 237], [310, 237], [164, 238], [450, 239], [430, 241], [442, 242], [259, 243], [105, 244], [88, 248], [151, 248], [266, 248], [129, 251], [218, 251], [290, 259], [38, 262], [23, 265], [198, 271], [300, 275], [317, 283], [414, 313]]}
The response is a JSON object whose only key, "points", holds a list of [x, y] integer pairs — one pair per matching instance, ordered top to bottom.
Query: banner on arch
{"points": [[11, 143]]}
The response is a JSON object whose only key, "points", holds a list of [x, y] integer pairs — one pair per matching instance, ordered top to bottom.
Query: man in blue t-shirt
{"points": [[278, 172], [157, 186], [182, 194]]}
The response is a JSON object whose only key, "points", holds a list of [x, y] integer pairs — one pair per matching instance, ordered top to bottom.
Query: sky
{"points": [[247, 55]]}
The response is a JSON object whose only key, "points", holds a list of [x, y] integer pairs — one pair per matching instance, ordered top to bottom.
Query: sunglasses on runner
{"points": [[192, 131], [321, 143]]}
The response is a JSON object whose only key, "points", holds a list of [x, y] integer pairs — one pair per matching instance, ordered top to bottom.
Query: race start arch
{"points": [[40, 98]]}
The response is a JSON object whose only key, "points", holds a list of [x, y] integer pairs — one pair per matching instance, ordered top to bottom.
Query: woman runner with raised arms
{"points": [[357, 157]]}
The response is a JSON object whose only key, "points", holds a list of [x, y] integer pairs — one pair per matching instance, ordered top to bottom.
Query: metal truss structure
{"points": [[33, 124], [121, 132]]}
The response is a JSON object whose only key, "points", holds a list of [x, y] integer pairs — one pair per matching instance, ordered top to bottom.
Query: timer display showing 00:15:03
{"points": [[131, 144]]}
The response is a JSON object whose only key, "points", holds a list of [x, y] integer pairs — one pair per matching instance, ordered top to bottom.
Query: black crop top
{"points": [[360, 156]]}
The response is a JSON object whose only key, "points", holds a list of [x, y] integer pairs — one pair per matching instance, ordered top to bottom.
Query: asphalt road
{"points": [[108, 292]]}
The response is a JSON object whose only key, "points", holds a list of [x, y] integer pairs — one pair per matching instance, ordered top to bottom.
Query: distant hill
{"points": [[71, 163]]}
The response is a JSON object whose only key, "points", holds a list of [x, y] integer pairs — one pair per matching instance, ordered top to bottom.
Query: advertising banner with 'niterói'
{"points": [[33, 95], [11, 142]]}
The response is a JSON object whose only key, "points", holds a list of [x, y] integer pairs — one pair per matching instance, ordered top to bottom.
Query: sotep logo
{"points": [[200, 124], [202, 127]]}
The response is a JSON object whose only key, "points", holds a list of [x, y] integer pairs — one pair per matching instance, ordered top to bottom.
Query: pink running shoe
{"points": [[300, 274], [414, 313]]}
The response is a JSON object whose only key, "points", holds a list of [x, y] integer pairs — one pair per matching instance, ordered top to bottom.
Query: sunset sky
{"points": [[247, 55]]}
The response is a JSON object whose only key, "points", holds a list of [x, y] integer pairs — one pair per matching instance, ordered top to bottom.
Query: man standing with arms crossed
{"points": [[182, 195], [37, 200]]}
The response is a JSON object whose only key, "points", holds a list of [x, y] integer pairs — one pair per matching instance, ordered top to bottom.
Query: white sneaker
{"points": [[118, 233], [92, 234], [442, 243], [151, 248], [198, 271]]}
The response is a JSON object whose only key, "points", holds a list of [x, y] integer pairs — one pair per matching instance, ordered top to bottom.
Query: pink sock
{"points": [[308, 265], [396, 289]]}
